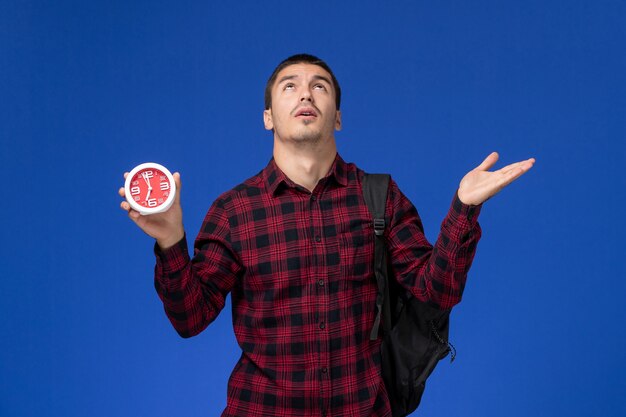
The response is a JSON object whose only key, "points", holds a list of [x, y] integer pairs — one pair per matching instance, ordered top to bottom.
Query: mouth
{"points": [[306, 113]]}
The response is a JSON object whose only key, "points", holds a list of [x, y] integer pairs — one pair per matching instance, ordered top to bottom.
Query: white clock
{"points": [[150, 188]]}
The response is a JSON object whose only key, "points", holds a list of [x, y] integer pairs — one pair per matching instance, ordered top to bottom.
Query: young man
{"points": [[294, 247]]}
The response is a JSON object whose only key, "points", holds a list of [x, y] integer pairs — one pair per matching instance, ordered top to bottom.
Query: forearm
{"points": [[453, 254], [435, 274], [180, 288]]}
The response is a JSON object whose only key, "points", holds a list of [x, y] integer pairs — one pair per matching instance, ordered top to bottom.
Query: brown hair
{"points": [[299, 59]]}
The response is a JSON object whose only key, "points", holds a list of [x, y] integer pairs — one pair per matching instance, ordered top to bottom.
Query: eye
{"points": [[289, 86], [319, 87]]}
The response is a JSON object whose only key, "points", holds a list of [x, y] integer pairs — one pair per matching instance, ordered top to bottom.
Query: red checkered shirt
{"points": [[299, 267]]}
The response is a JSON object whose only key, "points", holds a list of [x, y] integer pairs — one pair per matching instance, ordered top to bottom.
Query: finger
{"points": [[488, 162], [524, 164], [506, 169], [126, 174], [513, 174], [178, 183], [121, 192], [134, 215]]}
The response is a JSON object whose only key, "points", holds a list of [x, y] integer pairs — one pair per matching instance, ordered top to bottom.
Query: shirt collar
{"points": [[274, 178]]}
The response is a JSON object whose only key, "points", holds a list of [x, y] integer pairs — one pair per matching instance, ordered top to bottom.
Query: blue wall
{"points": [[90, 89]]}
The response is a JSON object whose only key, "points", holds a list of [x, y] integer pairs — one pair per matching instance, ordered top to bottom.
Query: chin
{"points": [[307, 135]]}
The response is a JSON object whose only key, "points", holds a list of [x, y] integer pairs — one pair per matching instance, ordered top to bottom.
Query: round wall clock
{"points": [[150, 188]]}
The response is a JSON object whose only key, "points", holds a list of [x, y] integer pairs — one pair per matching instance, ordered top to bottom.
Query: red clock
{"points": [[150, 188]]}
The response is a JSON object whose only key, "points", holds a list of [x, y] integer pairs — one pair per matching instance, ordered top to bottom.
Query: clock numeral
{"points": [[148, 174], [165, 186], [134, 191], [152, 202]]}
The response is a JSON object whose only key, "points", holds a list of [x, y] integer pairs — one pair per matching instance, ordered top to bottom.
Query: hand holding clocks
{"points": [[150, 188], [152, 201]]}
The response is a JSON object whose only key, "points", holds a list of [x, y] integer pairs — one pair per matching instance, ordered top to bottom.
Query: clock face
{"points": [[150, 188]]}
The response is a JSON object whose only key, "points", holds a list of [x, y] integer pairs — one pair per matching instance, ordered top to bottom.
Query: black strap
{"points": [[375, 188]]}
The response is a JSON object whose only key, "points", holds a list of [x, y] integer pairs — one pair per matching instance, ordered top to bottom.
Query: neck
{"points": [[305, 165]]}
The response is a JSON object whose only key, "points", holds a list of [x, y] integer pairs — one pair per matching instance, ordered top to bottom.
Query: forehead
{"points": [[303, 71]]}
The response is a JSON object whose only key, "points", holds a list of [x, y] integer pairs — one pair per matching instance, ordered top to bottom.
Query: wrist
{"points": [[468, 200], [171, 240]]}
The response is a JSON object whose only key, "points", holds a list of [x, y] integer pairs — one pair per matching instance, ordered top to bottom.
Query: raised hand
{"points": [[480, 184], [167, 227]]}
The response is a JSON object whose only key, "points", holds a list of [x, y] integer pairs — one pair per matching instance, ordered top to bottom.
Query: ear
{"points": [[267, 119], [338, 120]]}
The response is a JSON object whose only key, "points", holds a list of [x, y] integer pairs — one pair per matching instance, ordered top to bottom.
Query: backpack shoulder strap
{"points": [[375, 187], [375, 193]]}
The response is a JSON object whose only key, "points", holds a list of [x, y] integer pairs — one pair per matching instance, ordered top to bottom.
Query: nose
{"points": [[305, 95]]}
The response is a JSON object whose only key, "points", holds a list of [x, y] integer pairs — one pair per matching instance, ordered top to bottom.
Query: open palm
{"points": [[480, 184]]}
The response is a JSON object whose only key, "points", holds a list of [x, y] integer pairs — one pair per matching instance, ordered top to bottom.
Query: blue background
{"points": [[89, 89]]}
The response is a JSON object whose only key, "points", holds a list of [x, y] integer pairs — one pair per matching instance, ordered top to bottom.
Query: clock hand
{"points": [[147, 180]]}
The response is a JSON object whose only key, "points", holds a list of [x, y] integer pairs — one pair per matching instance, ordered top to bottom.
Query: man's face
{"points": [[303, 105]]}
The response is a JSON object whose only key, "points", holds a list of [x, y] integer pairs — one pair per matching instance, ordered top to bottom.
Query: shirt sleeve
{"points": [[434, 274], [193, 291]]}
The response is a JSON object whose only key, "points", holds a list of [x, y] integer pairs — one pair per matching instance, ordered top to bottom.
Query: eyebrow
{"points": [[287, 77], [315, 77], [321, 77]]}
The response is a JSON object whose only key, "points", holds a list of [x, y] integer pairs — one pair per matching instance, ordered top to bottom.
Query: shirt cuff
{"points": [[465, 212], [462, 219], [172, 259]]}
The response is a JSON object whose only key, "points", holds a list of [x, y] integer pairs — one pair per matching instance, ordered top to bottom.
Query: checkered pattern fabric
{"points": [[299, 267]]}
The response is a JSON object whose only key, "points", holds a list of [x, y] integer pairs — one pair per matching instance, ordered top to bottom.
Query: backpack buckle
{"points": [[379, 226]]}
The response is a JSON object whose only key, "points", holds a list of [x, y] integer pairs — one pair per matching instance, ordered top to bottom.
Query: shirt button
{"points": [[313, 198], [318, 238], [321, 282], [322, 325], [324, 370]]}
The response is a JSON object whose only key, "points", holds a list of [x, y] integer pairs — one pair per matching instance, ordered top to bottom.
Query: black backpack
{"points": [[415, 335]]}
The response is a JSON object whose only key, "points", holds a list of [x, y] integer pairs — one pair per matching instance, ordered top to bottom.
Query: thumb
{"points": [[488, 162], [178, 183]]}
